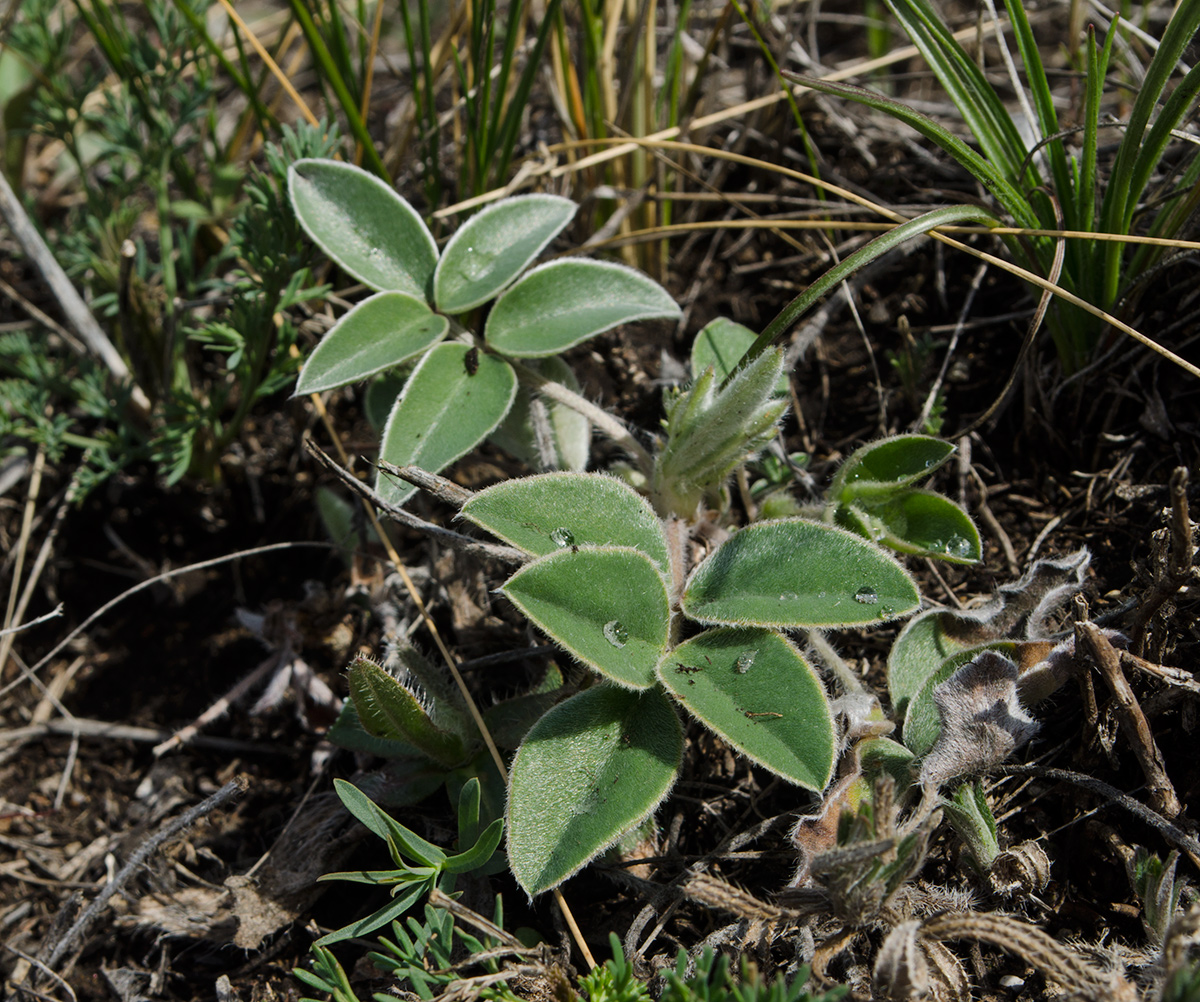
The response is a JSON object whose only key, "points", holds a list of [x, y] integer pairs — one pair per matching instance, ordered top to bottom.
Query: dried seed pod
{"points": [[1023, 869], [901, 971], [948, 979]]}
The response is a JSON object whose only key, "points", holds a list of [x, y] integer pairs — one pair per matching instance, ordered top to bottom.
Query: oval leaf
{"points": [[363, 225], [494, 246], [564, 303], [378, 333], [444, 412], [880, 468], [555, 511], [928, 524], [793, 572], [607, 606], [922, 647], [754, 689], [590, 770]]}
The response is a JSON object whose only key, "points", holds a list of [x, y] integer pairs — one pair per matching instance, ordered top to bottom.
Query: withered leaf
{"points": [[983, 722]]}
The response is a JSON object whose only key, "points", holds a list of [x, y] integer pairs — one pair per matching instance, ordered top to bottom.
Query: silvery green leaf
{"points": [[363, 225], [494, 246], [561, 304], [378, 333], [446, 409], [881, 468], [554, 511], [794, 572], [606, 605], [754, 689], [589, 771]]}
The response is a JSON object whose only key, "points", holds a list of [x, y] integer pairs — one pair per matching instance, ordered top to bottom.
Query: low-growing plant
{"points": [[1039, 183], [179, 294], [609, 574], [431, 866], [712, 981]]}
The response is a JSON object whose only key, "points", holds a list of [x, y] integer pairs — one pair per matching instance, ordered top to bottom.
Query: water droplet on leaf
{"points": [[562, 536], [959, 546], [866, 595], [788, 596], [886, 612], [615, 633], [745, 661]]}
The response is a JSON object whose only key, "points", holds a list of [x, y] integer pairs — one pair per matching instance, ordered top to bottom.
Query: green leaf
{"points": [[363, 225], [494, 246], [562, 304], [378, 333], [721, 343], [444, 412], [570, 431], [710, 431], [884, 467], [554, 511], [337, 516], [925, 523], [793, 572], [606, 605], [753, 688], [388, 710], [923, 723], [590, 770], [386, 827], [479, 853], [377, 919]]}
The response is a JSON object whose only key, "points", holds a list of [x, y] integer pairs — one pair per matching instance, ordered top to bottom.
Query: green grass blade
{"points": [[1097, 68], [332, 72], [975, 98], [1043, 102], [507, 139], [986, 172], [1120, 200], [948, 216]]}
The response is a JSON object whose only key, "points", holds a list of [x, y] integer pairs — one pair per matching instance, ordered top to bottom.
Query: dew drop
{"points": [[562, 536], [959, 546], [866, 595], [788, 596], [886, 612], [615, 633], [745, 661]]}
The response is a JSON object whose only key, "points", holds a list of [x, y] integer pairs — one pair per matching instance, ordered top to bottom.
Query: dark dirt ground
{"points": [[1090, 468]]}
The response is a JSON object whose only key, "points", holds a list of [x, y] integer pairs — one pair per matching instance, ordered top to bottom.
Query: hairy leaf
{"points": [[494, 246], [606, 605], [752, 687], [591, 769]]}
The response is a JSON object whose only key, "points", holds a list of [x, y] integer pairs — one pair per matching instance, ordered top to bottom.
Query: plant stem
{"points": [[605, 422]]}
